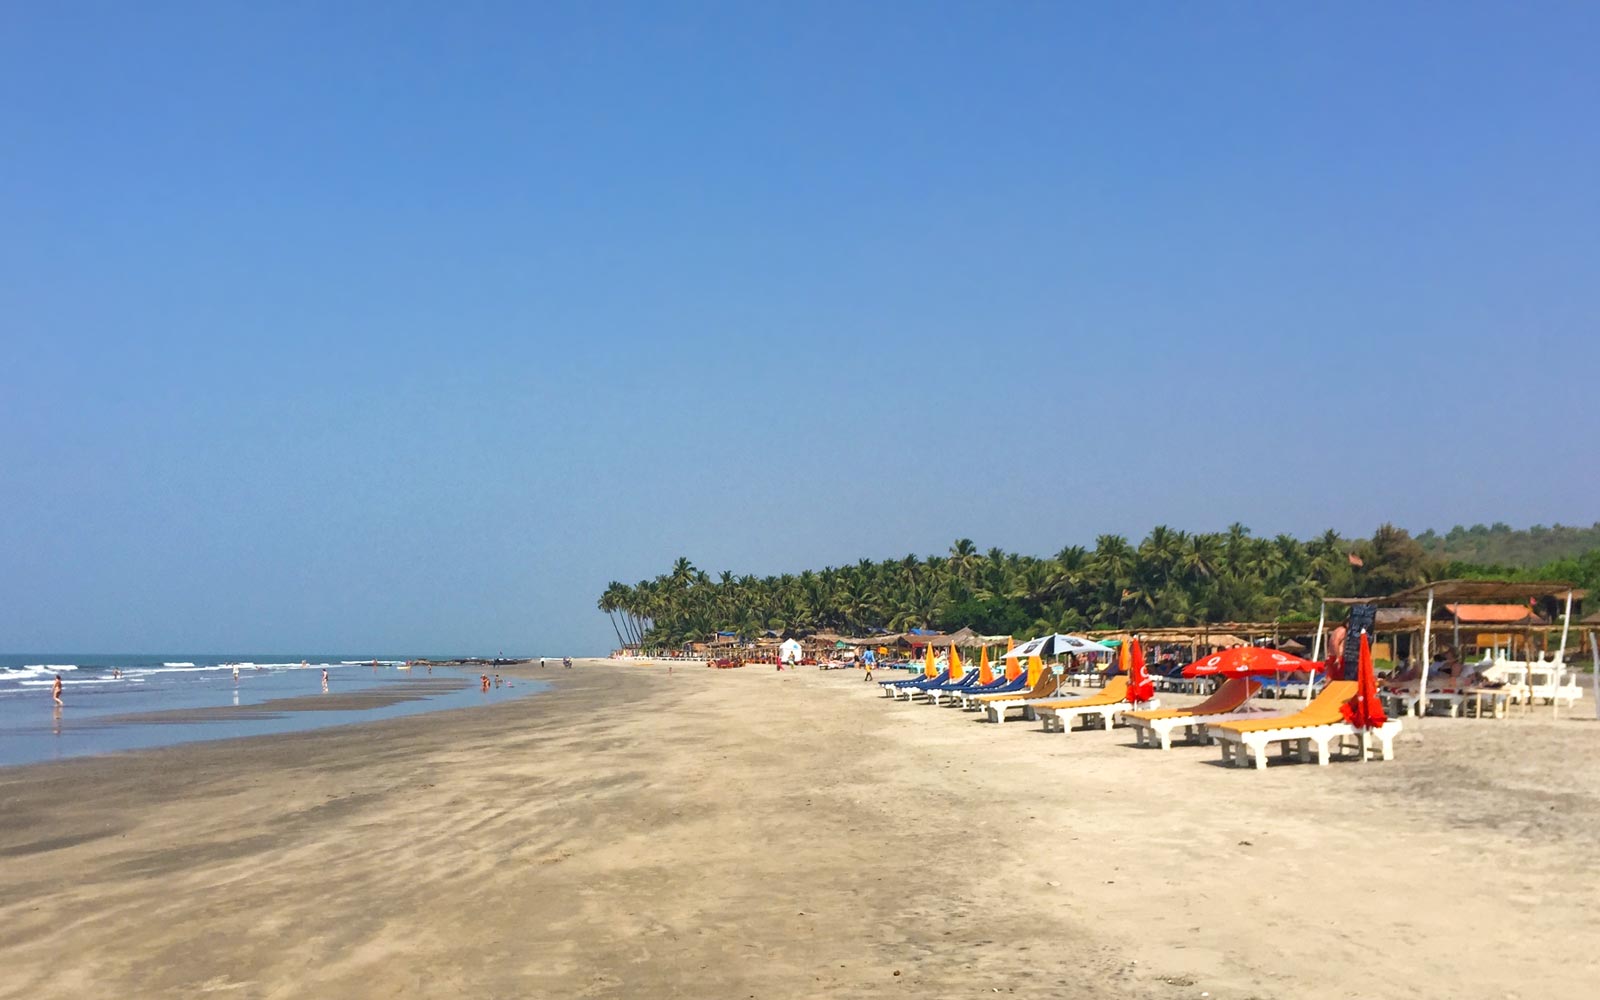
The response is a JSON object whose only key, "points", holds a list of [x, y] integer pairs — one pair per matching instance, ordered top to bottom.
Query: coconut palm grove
{"points": [[1171, 577]]}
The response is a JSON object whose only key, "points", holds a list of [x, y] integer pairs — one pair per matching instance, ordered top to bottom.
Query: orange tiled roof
{"points": [[1497, 614]]}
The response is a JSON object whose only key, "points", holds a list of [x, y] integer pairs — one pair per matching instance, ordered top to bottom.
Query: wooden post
{"points": [[1427, 634], [1316, 649], [1561, 659], [1594, 679]]}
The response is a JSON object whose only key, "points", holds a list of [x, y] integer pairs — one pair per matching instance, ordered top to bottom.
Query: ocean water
{"points": [[102, 709]]}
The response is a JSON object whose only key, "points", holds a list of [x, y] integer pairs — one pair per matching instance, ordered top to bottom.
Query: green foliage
{"points": [[1500, 545], [1170, 578]]}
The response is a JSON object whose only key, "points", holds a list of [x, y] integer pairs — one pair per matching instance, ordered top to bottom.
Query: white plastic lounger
{"points": [[1058, 714], [1319, 724], [1155, 728]]}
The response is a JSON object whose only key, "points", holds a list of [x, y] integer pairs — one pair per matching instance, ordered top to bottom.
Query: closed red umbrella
{"points": [[1247, 661], [1140, 687], [1365, 710]]}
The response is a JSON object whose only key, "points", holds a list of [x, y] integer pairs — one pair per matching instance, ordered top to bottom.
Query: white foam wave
{"points": [[177, 664], [51, 666]]}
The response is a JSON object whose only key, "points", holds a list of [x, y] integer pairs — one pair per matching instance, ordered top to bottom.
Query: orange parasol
{"points": [[1247, 661], [1140, 687], [1365, 710]]}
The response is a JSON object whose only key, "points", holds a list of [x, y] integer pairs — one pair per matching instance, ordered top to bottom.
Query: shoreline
{"points": [[632, 832]]}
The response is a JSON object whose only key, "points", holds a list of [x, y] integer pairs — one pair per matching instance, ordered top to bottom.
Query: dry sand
{"points": [[751, 834]]}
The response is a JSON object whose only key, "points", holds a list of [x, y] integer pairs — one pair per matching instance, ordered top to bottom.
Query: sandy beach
{"points": [[752, 834]]}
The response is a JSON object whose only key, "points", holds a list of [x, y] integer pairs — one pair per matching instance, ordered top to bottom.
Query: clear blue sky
{"points": [[409, 326]]}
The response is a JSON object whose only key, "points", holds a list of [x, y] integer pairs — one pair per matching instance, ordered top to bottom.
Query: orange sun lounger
{"points": [[996, 705], [1059, 712], [1320, 723], [1154, 726]]}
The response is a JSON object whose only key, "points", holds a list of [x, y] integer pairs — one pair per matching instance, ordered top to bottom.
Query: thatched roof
{"points": [[1470, 591], [961, 637]]}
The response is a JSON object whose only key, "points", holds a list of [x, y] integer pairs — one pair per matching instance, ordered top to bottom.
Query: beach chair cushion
{"points": [[1235, 691], [1115, 692]]}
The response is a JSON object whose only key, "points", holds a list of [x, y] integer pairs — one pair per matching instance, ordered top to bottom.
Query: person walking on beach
{"points": [[868, 660], [566, 661], [55, 692]]}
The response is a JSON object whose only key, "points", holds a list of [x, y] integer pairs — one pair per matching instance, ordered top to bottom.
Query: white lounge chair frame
{"points": [[1239, 747]]}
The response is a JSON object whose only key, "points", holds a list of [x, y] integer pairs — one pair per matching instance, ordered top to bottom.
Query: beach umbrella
{"points": [[1060, 645], [1027, 649], [1247, 661], [1014, 665], [928, 669], [1035, 670], [985, 672], [956, 673], [1140, 687], [1365, 710]]}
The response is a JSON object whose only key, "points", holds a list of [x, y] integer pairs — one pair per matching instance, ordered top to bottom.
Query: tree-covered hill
{"points": [[1502, 545], [1171, 577]]}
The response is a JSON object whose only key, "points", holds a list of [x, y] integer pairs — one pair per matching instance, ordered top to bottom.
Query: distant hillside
{"points": [[1502, 545]]}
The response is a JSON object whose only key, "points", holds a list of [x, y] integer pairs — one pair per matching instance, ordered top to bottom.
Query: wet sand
{"points": [[415, 689], [741, 834]]}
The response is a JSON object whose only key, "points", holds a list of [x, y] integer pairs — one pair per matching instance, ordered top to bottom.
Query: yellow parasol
{"points": [[1013, 667], [928, 669], [1035, 670], [956, 673], [985, 674]]}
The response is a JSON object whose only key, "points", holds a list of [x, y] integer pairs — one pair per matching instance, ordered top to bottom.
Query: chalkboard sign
{"points": [[1363, 617]]}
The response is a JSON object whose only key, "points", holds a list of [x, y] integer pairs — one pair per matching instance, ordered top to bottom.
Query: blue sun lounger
{"points": [[999, 686], [890, 687], [953, 689]]}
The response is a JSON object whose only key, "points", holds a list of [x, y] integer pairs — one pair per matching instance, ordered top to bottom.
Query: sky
{"points": [[409, 326]]}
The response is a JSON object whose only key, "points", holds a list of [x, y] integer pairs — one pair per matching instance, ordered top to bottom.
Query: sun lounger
{"points": [[891, 687], [950, 689], [909, 691], [969, 698], [995, 706], [1059, 713], [1319, 723], [1153, 727]]}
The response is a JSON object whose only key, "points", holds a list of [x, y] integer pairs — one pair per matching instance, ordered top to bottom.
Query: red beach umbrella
{"points": [[1248, 661], [1140, 687], [1365, 710]]}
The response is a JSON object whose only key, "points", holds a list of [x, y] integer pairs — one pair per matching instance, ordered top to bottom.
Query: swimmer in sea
{"points": [[324, 680], [484, 681], [55, 692]]}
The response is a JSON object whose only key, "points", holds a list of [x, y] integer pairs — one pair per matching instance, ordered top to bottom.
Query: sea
{"points": [[105, 695]]}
